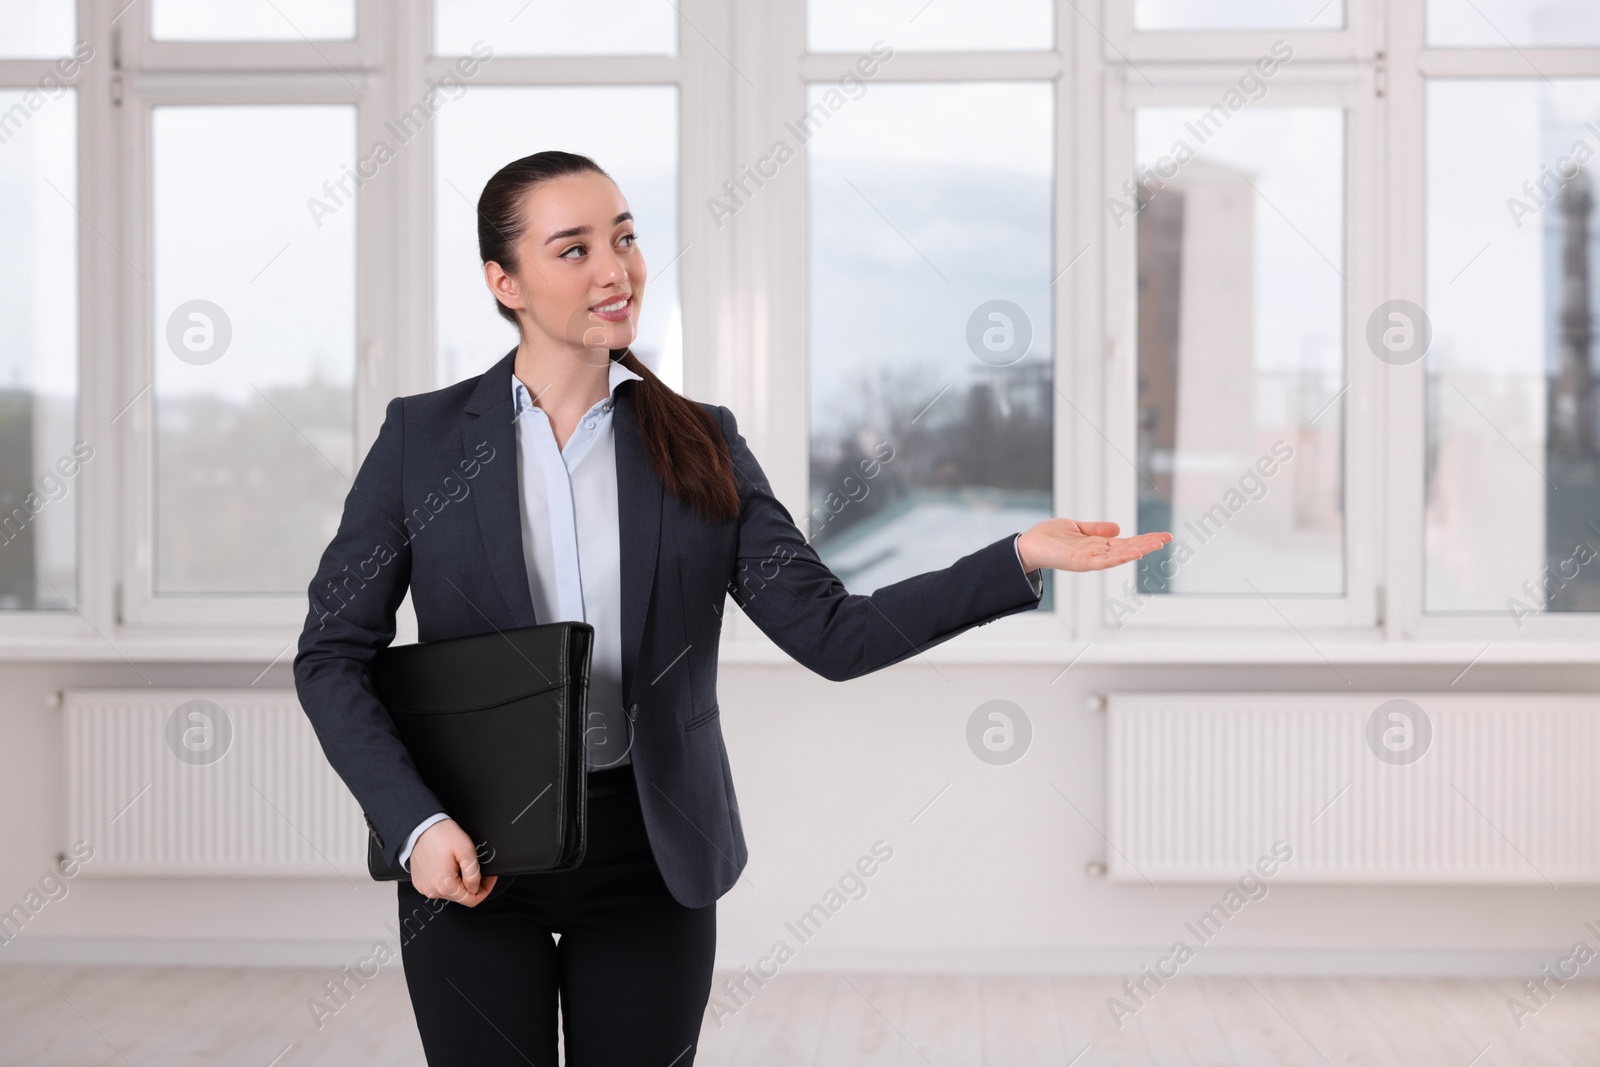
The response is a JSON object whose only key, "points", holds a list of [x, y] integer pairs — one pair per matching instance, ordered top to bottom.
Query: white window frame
{"points": [[1353, 43], [388, 65], [157, 73], [1321, 85], [743, 291], [771, 390], [80, 631], [1481, 636]]}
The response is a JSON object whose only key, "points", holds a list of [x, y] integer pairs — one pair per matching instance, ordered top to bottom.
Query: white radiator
{"points": [[1506, 790], [159, 796]]}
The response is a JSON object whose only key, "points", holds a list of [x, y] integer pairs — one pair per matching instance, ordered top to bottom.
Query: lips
{"points": [[613, 309]]}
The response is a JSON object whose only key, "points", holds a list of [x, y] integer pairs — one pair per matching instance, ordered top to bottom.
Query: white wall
{"points": [[991, 876]]}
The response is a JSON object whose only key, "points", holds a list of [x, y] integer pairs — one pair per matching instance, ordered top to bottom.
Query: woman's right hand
{"points": [[444, 865]]}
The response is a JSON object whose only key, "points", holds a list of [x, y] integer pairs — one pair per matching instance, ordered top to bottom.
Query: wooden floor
{"points": [[180, 1016]]}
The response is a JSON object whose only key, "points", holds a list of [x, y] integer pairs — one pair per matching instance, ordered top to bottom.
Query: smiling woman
{"points": [[638, 511]]}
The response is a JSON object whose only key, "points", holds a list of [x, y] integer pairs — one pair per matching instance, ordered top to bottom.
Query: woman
{"points": [[597, 494]]}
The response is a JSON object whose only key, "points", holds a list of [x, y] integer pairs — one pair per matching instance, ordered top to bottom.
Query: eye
{"points": [[631, 236], [574, 248]]}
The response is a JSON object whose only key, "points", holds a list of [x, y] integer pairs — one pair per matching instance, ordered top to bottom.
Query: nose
{"points": [[610, 269]]}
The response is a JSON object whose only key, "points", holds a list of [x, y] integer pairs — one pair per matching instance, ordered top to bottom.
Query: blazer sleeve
{"points": [[781, 583], [352, 618]]}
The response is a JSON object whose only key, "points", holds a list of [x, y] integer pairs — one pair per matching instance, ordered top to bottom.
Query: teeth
{"points": [[617, 306]]}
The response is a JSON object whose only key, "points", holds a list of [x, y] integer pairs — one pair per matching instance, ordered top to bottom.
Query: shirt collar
{"points": [[614, 377]]}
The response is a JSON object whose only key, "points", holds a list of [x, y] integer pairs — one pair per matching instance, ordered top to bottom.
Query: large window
{"points": [[1310, 283], [1241, 289], [930, 323], [254, 409], [1513, 446]]}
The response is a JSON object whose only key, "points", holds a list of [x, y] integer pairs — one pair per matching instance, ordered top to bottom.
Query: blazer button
{"points": [[633, 712]]}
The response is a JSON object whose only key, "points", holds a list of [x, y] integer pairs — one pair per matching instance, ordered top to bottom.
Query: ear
{"points": [[502, 285]]}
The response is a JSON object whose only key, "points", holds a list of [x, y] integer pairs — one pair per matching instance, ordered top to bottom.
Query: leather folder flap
{"points": [[474, 673]]}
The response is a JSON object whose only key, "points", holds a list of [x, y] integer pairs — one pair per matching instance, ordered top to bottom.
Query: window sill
{"points": [[278, 648], [1238, 651]]}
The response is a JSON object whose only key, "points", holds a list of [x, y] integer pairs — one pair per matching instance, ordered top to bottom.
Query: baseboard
{"points": [[193, 952], [1087, 960], [1126, 961]]}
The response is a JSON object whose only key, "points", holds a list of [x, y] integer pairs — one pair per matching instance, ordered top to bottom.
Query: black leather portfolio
{"points": [[495, 725]]}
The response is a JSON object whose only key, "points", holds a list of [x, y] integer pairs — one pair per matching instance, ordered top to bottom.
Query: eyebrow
{"points": [[579, 231]]}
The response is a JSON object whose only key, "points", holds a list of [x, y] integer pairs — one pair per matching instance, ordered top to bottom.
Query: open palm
{"points": [[1069, 545]]}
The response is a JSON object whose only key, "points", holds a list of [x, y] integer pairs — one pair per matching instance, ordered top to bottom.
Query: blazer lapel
{"points": [[639, 495], [498, 498]]}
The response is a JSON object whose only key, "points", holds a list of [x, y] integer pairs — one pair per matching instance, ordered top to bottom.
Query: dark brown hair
{"points": [[685, 446]]}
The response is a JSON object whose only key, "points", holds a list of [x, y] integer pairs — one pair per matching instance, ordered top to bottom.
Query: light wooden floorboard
{"points": [[82, 1016]]}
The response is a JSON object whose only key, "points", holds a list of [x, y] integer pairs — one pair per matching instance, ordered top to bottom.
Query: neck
{"points": [[564, 382]]}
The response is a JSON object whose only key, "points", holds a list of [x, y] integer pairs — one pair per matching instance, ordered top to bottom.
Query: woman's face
{"points": [[580, 272]]}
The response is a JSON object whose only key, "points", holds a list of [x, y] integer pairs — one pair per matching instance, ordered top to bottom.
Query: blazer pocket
{"points": [[701, 719]]}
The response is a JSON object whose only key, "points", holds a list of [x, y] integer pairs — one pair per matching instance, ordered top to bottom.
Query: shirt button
{"points": [[589, 425], [633, 712]]}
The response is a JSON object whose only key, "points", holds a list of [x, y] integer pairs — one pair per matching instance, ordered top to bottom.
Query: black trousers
{"points": [[632, 968]]}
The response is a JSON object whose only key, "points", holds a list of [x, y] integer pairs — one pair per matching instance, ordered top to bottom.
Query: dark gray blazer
{"points": [[435, 506]]}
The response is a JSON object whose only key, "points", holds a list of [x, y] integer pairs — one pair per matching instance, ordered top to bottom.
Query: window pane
{"points": [[1238, 14], [252, 20], [1502, 23], [920, 26], [520, 28], [36, 29], [632, 133], [930, 328], [254, 334], [1241, 349], [41, 455], [1513, 460]]}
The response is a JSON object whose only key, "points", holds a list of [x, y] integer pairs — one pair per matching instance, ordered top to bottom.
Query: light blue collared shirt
{"points": [[572, 553]]}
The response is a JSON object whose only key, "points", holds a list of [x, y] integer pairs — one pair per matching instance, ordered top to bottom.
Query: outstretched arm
{"points": [[781, 583]]}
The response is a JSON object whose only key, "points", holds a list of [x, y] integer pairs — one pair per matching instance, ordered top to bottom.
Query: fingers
{"points": [[1141, 545], [1126, 551], [468, 864], [463, 880], [452, 888]]}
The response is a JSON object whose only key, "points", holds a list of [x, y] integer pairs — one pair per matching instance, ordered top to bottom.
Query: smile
{"points": [[616, 310]]}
